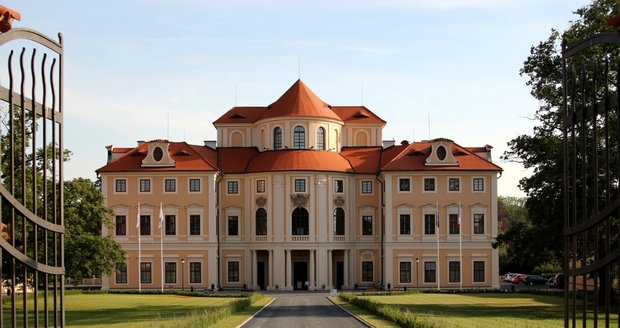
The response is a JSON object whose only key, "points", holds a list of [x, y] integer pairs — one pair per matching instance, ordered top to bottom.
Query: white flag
{"points": [[161, 215], [138, 217]]}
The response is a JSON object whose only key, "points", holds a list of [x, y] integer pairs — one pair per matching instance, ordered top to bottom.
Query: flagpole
{"points": [[437, 232], [161, 245], [139, 250], [460, 251]]}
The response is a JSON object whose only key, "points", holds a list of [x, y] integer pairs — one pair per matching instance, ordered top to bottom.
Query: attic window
{"points": [[237, 115], [360, 115], [182, 152], [138, 153], [441, 153], [158, 154]]}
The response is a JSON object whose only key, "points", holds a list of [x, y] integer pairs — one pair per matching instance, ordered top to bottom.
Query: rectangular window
{"points": [[404, 184], [429, 184], [454, 184], [478, 184], [120, 185], [145, 185], [170, 185], [194, 185], [300, 185], [260, 186], [338, 186], [233, 187], [366, 187], [170, 224], [405, 224], [429, 224], [454, 224], [479, 224], [121, 225], [145, 225], [194, 225], [233, 225], [366, 225], [233, 271], [367, 271], [430, 271], [454, 271], [478, 271], [145, 272], [195, 272], [405, 272], [121, 273], [171, 273]]}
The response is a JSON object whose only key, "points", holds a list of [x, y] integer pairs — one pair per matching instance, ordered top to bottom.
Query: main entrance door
{"points": [[339, 274], [260, 275], [300, 275]]}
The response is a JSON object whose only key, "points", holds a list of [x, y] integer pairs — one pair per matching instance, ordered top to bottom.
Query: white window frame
{"points": [[264, 180], [305, 180], [484, 184], [176, 185], [334, 185], [448, 185], [126, 186], [140, 186], [238, 187], [372, 188], [189, 189], [404, 191], [424, 191], [430, 209], [479, 209], [171, 210], [194, 210], [406, 210], [235, 259], [454, 259], [474, 259], [424, 261], [126, 273], [189, 274], [411, 274]]}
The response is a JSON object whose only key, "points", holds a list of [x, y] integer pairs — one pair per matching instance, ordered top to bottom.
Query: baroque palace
{"points": [[302, 195]]}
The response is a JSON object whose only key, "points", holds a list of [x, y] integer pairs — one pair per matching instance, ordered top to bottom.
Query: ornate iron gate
{"points": [[591, 132], [31, 179]]}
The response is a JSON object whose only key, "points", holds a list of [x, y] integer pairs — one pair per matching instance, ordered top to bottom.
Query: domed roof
{"points": [[299, 100]]}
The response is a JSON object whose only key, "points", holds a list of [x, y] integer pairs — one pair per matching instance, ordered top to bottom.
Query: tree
{"points": [[541, 150], [87, 252]]}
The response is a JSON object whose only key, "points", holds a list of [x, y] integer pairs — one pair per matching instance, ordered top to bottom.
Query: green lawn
{"points": [[146, 310], [482, 310]]}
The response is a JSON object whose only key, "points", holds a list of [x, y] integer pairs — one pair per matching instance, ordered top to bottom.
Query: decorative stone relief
{"points": [[300, 200], [261, 201], [338, 201]]}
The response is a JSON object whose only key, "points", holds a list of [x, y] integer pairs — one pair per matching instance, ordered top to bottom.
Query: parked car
{"points": [[508, 276], [517, 279], [533, 279], [557, 281]]}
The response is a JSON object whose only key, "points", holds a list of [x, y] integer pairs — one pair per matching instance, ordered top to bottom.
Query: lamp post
{"points": [[182, 274], [417, 279]]}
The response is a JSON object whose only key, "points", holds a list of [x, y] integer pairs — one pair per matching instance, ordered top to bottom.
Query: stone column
{"points": [[254, 268], [270, 269], [329, 269], [346, 269], [289, 276], [312, 278]]}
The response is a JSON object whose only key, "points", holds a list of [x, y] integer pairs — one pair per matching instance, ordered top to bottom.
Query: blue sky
{"points": [[148, 69]]}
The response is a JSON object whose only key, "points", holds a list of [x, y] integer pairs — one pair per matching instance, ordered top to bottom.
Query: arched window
{"points": [[299, 137], [277, 138], [320, 139], [261, 222], [300, 222], [339, 222]]}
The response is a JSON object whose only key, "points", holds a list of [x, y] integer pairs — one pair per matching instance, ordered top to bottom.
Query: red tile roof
{"points": [[299, 100], [357, 114], [413, 157], [187, 158], [235, 159], [363, 159], [299, 160]]}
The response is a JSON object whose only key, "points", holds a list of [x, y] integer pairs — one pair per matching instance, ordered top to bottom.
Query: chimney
{"points": [[388, 143], [211, 144], [109, 148]]}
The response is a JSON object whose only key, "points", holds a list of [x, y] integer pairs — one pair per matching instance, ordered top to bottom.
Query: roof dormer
{"points": [[441, 153], [158, 154]]}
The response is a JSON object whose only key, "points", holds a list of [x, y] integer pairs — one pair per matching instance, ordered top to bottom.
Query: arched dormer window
{"points": [[299, 137], [277, 138], [320, 139]]}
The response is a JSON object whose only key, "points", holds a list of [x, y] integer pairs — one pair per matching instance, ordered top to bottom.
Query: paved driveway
{"points": [[303, 310]]}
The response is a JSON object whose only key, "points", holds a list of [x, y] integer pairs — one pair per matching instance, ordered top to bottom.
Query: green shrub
{"points": [[547, 269]]}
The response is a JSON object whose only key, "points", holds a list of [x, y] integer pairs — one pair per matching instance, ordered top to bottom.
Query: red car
{"points": [[517, 279]]}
